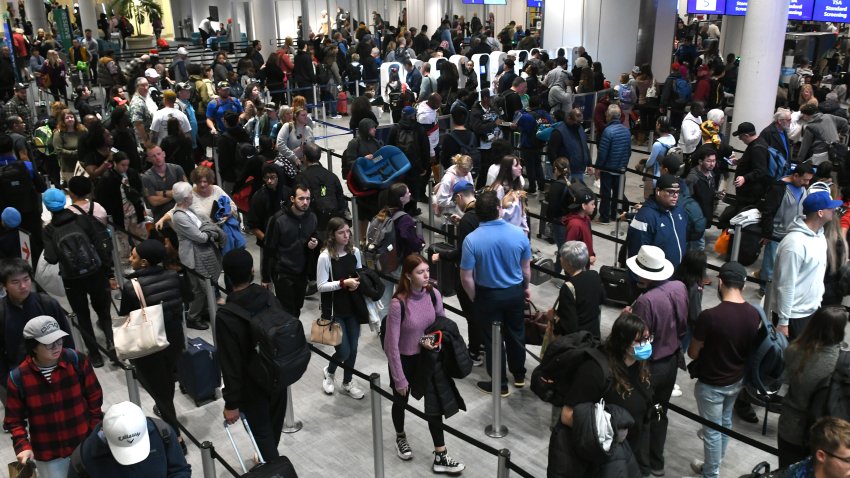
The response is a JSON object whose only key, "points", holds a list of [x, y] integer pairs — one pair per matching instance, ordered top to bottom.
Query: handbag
{"points": [[721, 246], [535, 324], [326, 331], [143, 333], [654, 411], [17, 470]]}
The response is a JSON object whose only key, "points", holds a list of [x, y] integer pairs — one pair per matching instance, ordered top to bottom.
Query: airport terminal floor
{"points": [[336, 438]]}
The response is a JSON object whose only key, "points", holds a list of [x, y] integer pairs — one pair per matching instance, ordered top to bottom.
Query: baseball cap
{"points": [[182, 51], [151, 73], [222, 84], [21, 86], [180, 86], [408, 111], [744, 128], [667, 181], [461, 186], [53, 199], [819, 200], [11, 217], [733, 271], [44, 329], [126, 430]]}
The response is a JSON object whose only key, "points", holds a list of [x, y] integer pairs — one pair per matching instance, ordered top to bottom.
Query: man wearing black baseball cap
{"points": [[751, 176], [661, 222]]}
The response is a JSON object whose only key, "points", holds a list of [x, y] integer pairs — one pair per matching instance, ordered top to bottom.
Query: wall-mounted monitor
{"points": [[485, 2], [534, 3], [707, 7], [797, 9], [835, 11]]}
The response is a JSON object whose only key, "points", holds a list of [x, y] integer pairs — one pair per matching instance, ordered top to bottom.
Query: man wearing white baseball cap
{"points": [[664, 309], [130, 445]]}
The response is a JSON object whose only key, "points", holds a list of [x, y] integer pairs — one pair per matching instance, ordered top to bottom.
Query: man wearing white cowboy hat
{"points": [[664, 309]]}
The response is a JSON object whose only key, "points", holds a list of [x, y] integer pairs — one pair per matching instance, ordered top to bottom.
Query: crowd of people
{"points": [[180, 220]]}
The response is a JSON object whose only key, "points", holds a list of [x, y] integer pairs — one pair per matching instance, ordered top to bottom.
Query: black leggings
{"points": [[409, 364]]}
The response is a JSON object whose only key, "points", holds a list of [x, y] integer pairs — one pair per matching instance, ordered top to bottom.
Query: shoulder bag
{"points": [[326, 330], [143, 333]]}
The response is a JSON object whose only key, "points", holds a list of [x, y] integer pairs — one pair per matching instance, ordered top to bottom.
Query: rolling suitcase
{"points": [[544, 230], [445, 272], [538, 276], [615, 279], [198, 371], [279, 467]]}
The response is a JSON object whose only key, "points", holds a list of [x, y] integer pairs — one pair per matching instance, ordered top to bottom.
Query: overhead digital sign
{"points": [[707, 7], [797, 9], [835, 11]]}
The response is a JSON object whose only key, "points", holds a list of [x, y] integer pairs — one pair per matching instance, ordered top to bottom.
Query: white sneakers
{"points": [[328, 382], [349, 388], [677, 392]]}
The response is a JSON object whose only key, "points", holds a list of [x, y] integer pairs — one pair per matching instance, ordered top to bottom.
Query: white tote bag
{"points": [[143, 333]]}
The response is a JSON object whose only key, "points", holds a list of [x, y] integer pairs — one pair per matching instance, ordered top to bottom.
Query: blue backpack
{"points": [[683, 91], [777, 167], [766, 365]]}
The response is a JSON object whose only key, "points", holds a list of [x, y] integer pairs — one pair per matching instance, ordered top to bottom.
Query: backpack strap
{"points": [[164, 430]]}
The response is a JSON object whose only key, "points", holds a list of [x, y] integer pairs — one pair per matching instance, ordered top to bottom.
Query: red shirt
{"points": [[578, 229], [61, 413]]}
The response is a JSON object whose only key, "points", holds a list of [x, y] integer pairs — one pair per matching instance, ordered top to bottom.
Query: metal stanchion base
{"points": [[294, 427], [491, 432]]}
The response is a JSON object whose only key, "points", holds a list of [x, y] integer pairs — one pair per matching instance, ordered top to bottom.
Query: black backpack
{"points": [[401, 55], [323, 74], [406, 142], [468, 149], [17, 187], [103, 236], [78, 257], [382, 331], [282, 351], [563, 357], [831, 396], [77, 455]]}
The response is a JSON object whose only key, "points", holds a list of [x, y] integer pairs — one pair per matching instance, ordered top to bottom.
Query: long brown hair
{"points": [[334, 225], [404, 287], [825, 329], [616, 348]]}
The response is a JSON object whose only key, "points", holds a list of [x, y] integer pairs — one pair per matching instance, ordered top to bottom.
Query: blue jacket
{"points": [[414, 80], [528, 123], [570, 142], [615, 147], [656, 226], [160, 463]]}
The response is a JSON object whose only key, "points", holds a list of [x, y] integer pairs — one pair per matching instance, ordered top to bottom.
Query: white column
{"points": [[423, 12], [36, 13], [88, 16], [562, 24], [265, 28], [665, 32], [610, 33], [732, 35], [761, 60]]}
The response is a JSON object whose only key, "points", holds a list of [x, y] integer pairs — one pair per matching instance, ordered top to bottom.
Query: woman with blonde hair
{"points": [[53, 75], [807, 95], [293, 135], [66, 141], [443, 200]]}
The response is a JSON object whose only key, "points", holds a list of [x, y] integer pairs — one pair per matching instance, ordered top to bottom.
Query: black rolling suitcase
{"points": [[444, 272], [615, 279], [198, 371], [279, 467]]}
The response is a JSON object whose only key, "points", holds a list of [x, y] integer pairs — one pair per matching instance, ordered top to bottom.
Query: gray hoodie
{"points": [[819, 132], [800, 267]]}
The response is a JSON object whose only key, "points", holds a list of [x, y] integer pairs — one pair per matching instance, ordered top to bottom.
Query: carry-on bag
{"points": [[444, 272], [615, 279], [198, 371], [279, 467]]}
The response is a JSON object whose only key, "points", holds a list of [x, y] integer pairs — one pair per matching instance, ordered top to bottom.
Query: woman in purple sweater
{"points": [[404, 339]]}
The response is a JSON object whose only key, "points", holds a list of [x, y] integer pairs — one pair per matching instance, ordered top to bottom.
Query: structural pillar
{"points": [[424, 12], [36, 13], [88, 16], [305, 20], [562, 24], [265, 27], [656, 32], [731, 35], [761, 60]]}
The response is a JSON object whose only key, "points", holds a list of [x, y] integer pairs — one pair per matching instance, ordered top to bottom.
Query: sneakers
{"points": [[477, 359], [96, 360], [519, 381], [328, 382], [487, 387], [352, 391], [677, 392], [402, 448], [443, 463], [696, 466], [657, 472]]}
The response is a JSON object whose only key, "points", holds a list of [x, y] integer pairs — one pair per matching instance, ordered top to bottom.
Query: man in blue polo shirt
{"points": [[220, 105], [495, 270]]}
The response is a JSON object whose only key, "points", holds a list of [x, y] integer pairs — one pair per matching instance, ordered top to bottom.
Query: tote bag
{"points": [[327, 331], [143, 333]]}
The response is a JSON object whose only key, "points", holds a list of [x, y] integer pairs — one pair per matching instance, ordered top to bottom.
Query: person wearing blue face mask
{"points": [[663, 306], [624, 353]]}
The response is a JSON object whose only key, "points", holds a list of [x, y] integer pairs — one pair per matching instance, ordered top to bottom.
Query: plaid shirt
{"points": [[61, 413]]}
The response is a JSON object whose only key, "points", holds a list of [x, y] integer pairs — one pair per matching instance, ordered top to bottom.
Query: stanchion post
{"points": [[330, 160], [621, 197], [430, 212], [355, 221], [736, 243], [116, 259], [768, 299], [211, 306], [75, 332], [132, 385], [290, 424], [377, 425], [496, 429], [207, 459], [503, 471]]}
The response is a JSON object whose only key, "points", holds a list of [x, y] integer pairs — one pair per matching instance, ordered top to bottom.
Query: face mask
{"points": [[643, 352]]}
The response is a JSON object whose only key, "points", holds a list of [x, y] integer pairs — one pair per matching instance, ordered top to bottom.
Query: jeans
{"points": [[609, 191], [559, 233], [768, 262], [96, 288], [290, 291], [505, 306], [346, 352], [715, 404], [265, 414], [57, 468]]}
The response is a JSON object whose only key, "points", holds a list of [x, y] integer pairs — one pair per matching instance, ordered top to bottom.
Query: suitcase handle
{"points": [[250, 435]]}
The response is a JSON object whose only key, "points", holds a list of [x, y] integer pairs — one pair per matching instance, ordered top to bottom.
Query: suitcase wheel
{"points": [[183, 390]]}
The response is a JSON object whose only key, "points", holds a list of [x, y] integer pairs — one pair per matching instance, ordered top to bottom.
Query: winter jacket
{"points": [[303, 72], [414, 80], [560, 95], [482, 123], [818, 133], [691, 135], [569, 141], [227, 145], [361, 146], [615, 148], [753, 167], [702, 189], [107, 191], [556, 199], [779, 210], [656, 226], [285, 244], [799, 273], [159, 286], [438, 368], [164, 461]]}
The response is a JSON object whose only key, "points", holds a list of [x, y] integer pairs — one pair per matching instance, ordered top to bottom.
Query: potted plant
{"points": [[137, 11]]}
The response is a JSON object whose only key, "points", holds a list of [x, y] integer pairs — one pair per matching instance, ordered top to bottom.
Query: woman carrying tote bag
{"points": [[336, 280], [159, 286]]}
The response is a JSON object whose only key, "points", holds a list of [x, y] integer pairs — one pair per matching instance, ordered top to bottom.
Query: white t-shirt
{"points": [[159, 124]]}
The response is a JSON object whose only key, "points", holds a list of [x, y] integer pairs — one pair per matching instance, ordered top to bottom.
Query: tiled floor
{"points": [[336, 438]]}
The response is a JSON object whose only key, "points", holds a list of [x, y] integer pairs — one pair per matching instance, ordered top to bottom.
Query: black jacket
{"points": [[420, 43], [302, 69], [477, 124], [773, 138], [227, 144], [363, 144], [419, 156], [753, 167], [323, 184], [107, 192], [264, 203], [556, 204], [285, 247], [371, 285], [159, 286], [12, 322], [236, 345], [434, 376]]}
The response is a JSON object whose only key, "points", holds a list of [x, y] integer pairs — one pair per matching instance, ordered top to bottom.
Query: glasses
{"points": [[672, 192], [646, 340], [54, 345], [845, 460]]}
